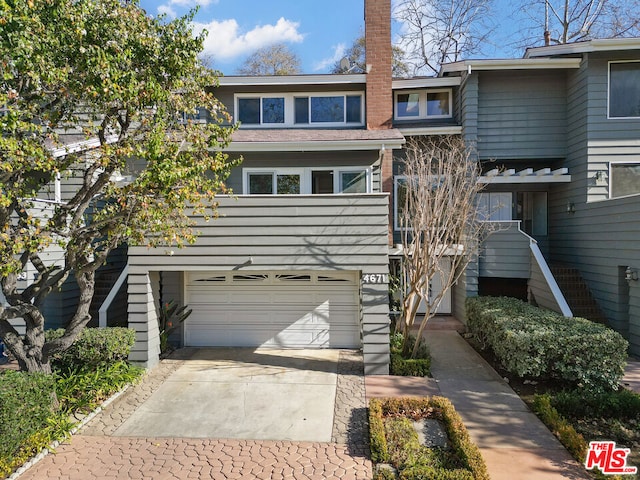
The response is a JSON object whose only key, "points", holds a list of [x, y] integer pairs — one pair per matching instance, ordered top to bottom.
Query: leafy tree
{"points": [[571, 21], [441, 31], [276, 59], [357, 64], [102, 71]]}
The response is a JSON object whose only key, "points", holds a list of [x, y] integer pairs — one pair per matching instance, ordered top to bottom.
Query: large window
{"points": [[624, 89], [423, 104], [335, 109], [300, 110], [625, 179], [307, 180]]}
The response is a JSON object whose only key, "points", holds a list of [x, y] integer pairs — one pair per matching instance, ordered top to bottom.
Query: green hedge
{"points": [[534, 342], [94, 347], [409, 367], [621, 404], [25, 406], [394, 440]]}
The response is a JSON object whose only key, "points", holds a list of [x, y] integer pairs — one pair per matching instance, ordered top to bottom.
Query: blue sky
{"points": [[318, 31]]}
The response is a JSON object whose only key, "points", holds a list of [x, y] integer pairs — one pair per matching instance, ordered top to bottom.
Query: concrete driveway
{"points": [[205, 392], [243, 393]]}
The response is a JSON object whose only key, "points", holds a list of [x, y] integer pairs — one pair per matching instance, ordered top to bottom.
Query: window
{"points": [[624, 89], [423, 104], [438, 104], [408, 105], [300, 109], [328, 109], [249, 110], [257, 111], [625, 179], [305, 181], [322, 181], [353, 182], [267, 183], [495, 206], [528, 207]]}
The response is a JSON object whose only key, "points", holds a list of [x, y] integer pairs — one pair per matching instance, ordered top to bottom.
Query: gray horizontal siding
{"points": [[522, 115], [299, 232], [598, 239], [505, 253]]}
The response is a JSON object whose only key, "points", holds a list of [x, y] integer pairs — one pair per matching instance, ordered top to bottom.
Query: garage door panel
{"points": [[270, 312]]}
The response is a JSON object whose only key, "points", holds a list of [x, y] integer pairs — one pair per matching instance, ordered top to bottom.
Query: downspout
{"points": [[57, 189], [102, 312]]}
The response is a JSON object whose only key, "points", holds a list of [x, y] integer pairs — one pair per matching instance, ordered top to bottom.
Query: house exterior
{"points": [[558, 134], [300, 254]]}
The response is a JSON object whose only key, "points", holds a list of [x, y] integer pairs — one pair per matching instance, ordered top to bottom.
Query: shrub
{"points": [[530, 341], [94, 347], [414, 367], [81, 391], [621, 404], [25, 406], [572, 440], [379, 450], [421, 472]]}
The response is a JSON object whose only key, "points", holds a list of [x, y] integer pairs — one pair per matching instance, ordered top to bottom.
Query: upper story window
{"points": [[624, 89], [421, 104], [261, 110], [300, 110], [624, 179], [294, 181]]}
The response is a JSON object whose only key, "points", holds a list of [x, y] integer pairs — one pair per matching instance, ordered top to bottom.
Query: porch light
{"points": [[571, 207], [631, 274]]}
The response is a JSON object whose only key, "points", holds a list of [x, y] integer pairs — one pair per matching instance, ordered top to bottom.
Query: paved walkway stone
{"points": [[111, 458]]}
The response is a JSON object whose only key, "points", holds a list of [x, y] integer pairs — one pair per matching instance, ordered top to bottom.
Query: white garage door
{"points": [[273, 309]]}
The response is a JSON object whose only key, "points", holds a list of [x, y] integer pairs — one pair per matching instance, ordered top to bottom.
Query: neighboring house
{"points": [[558, 133], [299, 256]]}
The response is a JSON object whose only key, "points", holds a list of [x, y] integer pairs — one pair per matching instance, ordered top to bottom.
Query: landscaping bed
{"points": [[404, 366], [38, 409], [577, 409], [398, 451]]}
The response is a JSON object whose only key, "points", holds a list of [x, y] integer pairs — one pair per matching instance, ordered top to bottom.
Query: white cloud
{"points": [[168, 11], [225, 41], [338, 52]]}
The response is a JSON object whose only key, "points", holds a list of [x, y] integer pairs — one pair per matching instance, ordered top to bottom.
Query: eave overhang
{"points": [[511, 64]]}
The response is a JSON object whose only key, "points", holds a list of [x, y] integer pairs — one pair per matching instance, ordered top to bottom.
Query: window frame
{"points": [[422, 104], [289, 109], [609, 117], [611, 177], [305, 178]]}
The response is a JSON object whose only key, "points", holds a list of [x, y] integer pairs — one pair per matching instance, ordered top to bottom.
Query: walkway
{"points": [[513, 442]]}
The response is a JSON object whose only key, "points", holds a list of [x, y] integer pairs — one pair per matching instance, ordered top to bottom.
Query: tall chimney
{"points": [[378, 60]]}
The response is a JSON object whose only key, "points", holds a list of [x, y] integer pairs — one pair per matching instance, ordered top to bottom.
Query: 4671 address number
{"points": [[375, 278]]}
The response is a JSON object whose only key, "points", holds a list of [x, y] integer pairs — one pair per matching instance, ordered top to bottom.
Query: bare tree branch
{"points": [[439, 220]]}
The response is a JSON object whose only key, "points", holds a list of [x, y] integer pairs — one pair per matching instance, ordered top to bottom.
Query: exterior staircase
{"points": [[577, 294]]}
